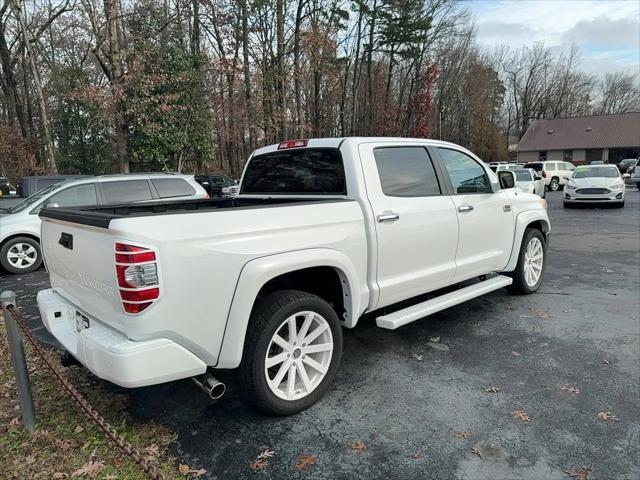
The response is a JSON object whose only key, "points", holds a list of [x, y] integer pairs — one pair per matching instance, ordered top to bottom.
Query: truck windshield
{"points": [[296, 172], [26, 203]]}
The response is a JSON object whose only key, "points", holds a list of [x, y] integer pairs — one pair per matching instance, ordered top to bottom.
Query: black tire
{"points": [[554, 184], [9, 244], [519, 284], [266, 318]]}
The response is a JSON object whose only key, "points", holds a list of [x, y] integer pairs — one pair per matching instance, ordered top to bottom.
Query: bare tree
{"points": [[619, 93]]}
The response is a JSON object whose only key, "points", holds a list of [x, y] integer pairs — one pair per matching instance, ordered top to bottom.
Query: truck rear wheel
{"points": [[21, 255], [532, 260], [292, 352]]}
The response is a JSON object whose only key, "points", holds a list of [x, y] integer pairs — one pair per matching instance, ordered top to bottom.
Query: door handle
{"points": [[465, 208], [388, 216], [66, 240]]}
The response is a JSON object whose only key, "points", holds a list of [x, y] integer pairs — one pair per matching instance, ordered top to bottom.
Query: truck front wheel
{"points": [[532, 260], [292, 352]]}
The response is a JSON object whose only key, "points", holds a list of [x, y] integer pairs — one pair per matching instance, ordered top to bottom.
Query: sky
{"points": [[607, 33]]}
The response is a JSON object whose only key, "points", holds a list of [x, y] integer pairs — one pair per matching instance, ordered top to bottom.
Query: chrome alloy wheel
{"points": [[22, 255], [533, 262], [299, 355]]}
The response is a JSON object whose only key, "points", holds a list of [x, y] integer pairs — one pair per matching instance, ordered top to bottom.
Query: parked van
{"points": [[30, 185]]}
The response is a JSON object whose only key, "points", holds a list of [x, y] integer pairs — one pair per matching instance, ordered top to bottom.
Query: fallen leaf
{"points": [[541, 314], [435, 339], [438, 346], [515, 354], [417, 357], [606, 362], [492, 389], [570, 389], [521, 415], [608, 416], [78, 429], [462, 434], [65, 444], [360, 446], [152, 450], [476, 451], [266, 453], [418, 454], [305, 462], [259, 464], [91, 469], [186, 470], [579, 472], [59, 476], [110, 477]]}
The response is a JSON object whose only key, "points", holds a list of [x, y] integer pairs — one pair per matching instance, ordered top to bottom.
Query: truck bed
{"points": [[103, 215]]}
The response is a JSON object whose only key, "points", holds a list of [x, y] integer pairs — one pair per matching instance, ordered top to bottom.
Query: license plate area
{"points": [[82, 322]]}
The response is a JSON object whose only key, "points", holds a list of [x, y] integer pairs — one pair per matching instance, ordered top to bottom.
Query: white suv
{"points": [[553, 172], [20, 224]]}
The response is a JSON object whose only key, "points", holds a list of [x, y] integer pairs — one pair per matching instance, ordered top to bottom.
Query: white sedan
{"points": [[527, 179], [595, 184]]}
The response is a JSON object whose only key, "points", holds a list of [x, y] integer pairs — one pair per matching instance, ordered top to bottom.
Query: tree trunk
{"points": [[114, 41], [369, 61], [297, 71], [247, 75], [280, 80], [47, 140]]}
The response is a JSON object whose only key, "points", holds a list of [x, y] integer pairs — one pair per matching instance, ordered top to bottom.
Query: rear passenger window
{"points": [[296, 172], [406, 172], [467, 176], [172, 187], [126, 191], [76, 196]]}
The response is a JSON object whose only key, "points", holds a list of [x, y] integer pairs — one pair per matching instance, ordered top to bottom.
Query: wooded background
{"points": [[93, 86]]}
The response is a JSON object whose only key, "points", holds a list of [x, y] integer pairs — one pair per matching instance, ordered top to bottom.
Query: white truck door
{"points": [[485, 217], [416, 224]]}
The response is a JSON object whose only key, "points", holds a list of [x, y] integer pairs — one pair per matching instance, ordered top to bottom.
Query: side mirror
{"points": [[625, 176], [537, 177], [566, 178], [507, 179], [52, 205]]}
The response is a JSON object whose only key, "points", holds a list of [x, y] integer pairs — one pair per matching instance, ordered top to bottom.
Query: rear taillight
{"points": [[544, 174], [137, 274]]}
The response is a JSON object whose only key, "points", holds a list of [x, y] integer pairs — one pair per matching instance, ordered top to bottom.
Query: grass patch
{"points": [[65, 444]]}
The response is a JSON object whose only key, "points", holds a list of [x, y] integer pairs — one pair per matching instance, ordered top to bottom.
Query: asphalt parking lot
{"points": [[418, 402]]}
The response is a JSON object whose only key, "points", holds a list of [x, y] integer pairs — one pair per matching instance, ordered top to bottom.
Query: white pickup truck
{"points": [[322, 231]]}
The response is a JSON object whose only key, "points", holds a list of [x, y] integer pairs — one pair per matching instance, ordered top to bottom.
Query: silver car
{"points": [[634, 174], [527, 179], [595, 184], [20, 224]]}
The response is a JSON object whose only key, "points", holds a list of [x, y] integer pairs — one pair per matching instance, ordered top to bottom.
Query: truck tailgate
{"points": [[81, 263]]}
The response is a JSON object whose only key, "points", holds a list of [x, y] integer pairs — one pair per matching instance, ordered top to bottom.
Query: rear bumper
{"points": [[112, 356]]}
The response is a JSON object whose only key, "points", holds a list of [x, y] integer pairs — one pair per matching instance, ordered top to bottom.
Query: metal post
{"points": [[8, 299]]}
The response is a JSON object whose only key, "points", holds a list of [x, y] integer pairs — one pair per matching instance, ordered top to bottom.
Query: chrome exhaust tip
{"points": [[210, 385]]}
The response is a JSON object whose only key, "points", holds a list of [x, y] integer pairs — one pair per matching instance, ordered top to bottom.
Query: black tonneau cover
{"points": [[101, 216]]}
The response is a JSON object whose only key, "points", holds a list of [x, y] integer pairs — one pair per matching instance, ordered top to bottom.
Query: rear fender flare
{"points": [[256, 273]]}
